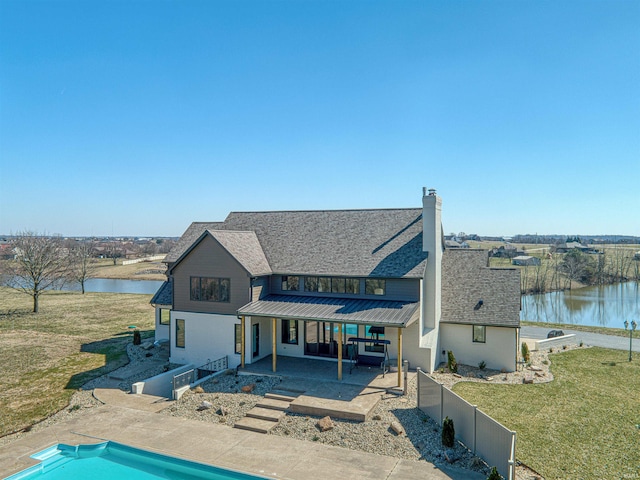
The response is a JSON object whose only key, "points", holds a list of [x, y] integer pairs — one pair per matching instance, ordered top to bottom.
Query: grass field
{"points": [[105, 268], [44, 357], [583, 425]]}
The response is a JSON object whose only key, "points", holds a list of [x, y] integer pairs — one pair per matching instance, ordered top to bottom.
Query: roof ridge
{"points": [[324, 211]]}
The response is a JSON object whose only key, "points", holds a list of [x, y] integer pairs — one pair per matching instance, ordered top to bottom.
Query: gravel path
{"points": [[421, 438]]}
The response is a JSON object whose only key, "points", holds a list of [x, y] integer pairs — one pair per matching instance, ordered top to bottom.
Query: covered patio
{"points": [[333, 311]]}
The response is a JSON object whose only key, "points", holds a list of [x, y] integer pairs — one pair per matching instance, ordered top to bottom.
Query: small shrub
{"points": [[137, 338], [581, 344], [564, 347], [551, 350], [525, 352], [545, 362], [452, 365], [482, 365], [74, 408], [448, 433], [315, 438], [494, 475]]}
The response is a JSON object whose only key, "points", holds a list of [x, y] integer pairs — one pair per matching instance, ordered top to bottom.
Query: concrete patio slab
{"points": [[271, 456]]}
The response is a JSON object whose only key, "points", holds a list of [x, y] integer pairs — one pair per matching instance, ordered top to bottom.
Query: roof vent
{"points": [[424, 191], [432, 192]]}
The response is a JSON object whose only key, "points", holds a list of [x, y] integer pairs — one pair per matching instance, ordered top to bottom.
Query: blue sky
{"points": [[139, 117]]}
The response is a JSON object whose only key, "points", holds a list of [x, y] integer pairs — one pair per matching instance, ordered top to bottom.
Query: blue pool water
{"points": [[110, 460]]}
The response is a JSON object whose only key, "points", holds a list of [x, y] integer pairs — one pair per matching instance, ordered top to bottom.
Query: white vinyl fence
{"points": [[145, 259], [479, 432]]}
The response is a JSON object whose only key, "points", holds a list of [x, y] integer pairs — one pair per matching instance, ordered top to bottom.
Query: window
{"points": [[290, 283], [310, 284], [324, 284], [338, 285], [352, 285], [374, 286], [208, 289], [165, 316], [180, 331], [290, 332], [374, 333], [479, 334], [237, 340]]}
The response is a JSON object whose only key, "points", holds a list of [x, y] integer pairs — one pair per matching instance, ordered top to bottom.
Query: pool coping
{"points": [[253, 453]]}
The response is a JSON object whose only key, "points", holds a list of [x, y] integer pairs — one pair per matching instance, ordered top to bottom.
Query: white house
{"points": [[336, 284]]}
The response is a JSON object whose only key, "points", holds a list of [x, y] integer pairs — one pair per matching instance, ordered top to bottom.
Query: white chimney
{"points": [[431, 243]]}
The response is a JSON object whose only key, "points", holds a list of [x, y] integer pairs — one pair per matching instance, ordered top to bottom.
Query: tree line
{"points": [[561, 271]]}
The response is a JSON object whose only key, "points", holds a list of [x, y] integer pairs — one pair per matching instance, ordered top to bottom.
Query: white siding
{"points": [[207, 337], [498, 352]]}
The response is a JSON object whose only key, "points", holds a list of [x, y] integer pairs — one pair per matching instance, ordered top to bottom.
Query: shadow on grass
{"points": [[115, 352]]}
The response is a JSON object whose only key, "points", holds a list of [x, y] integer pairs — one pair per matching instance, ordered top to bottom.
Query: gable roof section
{"points": [[191, 234], [358, 243], [376, 243], [245, 248], [466, 279]]}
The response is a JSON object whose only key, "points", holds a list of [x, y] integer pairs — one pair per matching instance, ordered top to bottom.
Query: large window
{"points": [[290, 282], [332, 284], [375, 286], [209, 289], [165, 316], [290, 332], [180, 333], [374, 333], [479, 334], [237, 340]]}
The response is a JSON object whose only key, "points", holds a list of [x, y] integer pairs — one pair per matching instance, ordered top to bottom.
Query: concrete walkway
{"points": [[593, 339], [267, 455]]}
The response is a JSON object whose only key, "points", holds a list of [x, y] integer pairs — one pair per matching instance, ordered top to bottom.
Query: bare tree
{"points": [[114, 250], [41, 263], [82, 263]]}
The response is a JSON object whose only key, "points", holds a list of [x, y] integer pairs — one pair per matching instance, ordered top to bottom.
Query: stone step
{"points": [[285, 397], [273, 404], [266, 414], [255, 425]]}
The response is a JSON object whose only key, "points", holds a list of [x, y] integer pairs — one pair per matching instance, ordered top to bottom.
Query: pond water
{"points": [[114, 285], [602, 306]]}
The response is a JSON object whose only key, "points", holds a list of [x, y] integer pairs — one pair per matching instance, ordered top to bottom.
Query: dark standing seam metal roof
{"points": [[164, 295], [343, 310]]}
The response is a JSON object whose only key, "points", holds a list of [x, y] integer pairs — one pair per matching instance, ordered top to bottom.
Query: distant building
{"points": [[568, 246], [525, 261]]}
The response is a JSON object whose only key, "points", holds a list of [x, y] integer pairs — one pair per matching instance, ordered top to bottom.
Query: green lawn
{"points": [[44, 357], [583, 425]]}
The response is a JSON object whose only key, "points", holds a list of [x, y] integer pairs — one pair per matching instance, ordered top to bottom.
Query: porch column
{"points": [[242, 338], [273, 344], [339, 351], [399, 357]]}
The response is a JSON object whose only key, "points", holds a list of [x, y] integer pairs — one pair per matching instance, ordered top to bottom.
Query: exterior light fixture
{"points": [[479, 304], [631, 330]]}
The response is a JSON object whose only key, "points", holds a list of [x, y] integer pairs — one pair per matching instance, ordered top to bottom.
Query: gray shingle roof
{"points": [[191, 234], [377, 243], [245, 248], [466, 279], [164, 295], [344, 310]]}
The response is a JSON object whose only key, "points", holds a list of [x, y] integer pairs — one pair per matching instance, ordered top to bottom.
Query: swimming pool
{"points": [[111, 460]]}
